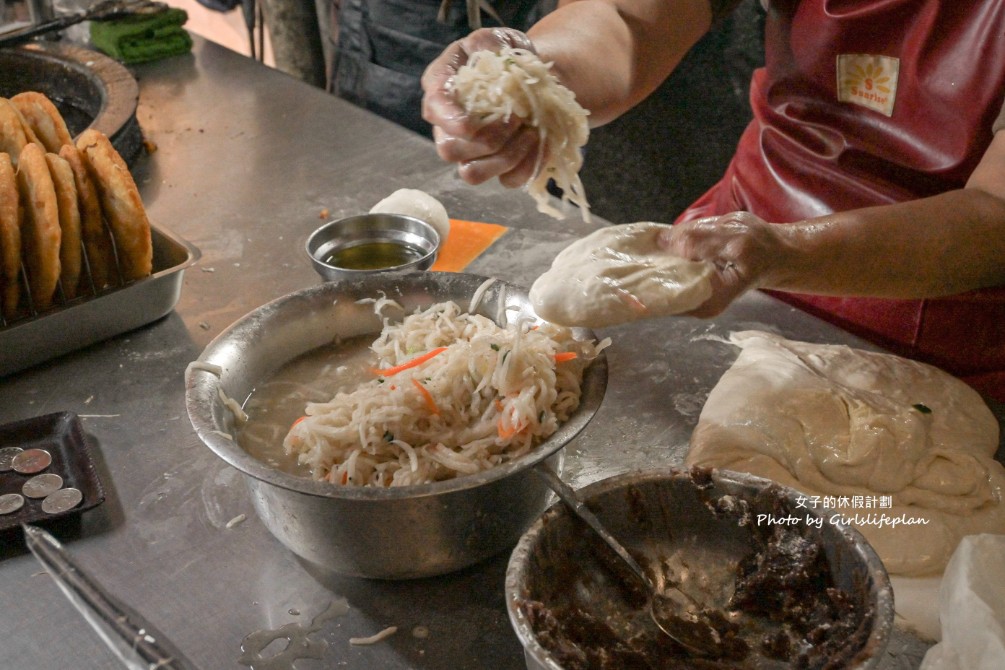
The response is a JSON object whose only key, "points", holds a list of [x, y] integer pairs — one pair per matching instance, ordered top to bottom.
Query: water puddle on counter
{"points": [[298, 645]]}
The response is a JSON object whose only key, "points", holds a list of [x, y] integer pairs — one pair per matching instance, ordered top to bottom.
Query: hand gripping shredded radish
{"points": [[495, 86]]}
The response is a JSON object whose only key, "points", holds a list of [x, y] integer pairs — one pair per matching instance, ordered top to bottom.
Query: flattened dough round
{"points": [[44, 119], [120, 203], [418, 204], [40, 232], [10, 239], [97, 242], [70, 245], [616, 275], [831, 420]]}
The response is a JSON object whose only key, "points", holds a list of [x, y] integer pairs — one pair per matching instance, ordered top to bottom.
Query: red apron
{"points": [[871, 102]]}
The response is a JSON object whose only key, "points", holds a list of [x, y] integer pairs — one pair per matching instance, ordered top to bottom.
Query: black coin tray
{"points": [[62, 435]]}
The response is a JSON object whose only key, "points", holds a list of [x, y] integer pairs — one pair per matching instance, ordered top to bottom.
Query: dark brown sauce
{"points": [[785, 610]]}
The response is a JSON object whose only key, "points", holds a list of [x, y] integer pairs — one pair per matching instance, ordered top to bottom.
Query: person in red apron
{"points": [[869, 188]]}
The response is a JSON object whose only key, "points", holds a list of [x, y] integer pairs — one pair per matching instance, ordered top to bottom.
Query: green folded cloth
{"points": [[143, 37]]}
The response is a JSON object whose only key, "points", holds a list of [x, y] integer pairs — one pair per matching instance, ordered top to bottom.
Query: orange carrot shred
{"points": [[563, 356], [418, 360], [427, 397], [298, 421], [505, 433]]}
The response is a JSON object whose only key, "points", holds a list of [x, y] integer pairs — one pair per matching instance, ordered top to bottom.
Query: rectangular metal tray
{"points": [[90, 319], [62, 435]]}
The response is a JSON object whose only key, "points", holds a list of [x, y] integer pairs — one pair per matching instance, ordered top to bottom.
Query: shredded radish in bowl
{"points": [[452, 393]]}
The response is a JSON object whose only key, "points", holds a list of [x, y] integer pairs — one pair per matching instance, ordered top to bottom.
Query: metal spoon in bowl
{"points": [[673, 611]]}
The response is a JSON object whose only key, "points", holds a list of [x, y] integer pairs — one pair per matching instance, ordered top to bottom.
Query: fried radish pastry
{"points": [[44, 119], [14, 131], [120, 203], [40, 232], [10, 240], [97, 242], [70, 254]]}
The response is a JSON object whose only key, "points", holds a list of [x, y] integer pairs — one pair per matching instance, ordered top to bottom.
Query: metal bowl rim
{"points": [[595, 376]]}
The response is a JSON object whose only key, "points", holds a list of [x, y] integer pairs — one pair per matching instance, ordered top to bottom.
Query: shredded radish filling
{"points": [[495, 86], [497, 392]]}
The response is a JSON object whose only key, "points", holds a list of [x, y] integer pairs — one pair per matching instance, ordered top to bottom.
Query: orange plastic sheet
{"points": [[466, 242]]}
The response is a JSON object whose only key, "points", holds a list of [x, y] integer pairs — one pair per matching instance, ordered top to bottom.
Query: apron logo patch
{"points": [[869, 81]]}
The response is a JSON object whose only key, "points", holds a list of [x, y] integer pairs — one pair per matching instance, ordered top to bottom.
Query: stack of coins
{"points": [[29, 467]]}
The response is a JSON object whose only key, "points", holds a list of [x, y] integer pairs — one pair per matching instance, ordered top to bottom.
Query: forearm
{"points": [[613, 53], [942, 245]]}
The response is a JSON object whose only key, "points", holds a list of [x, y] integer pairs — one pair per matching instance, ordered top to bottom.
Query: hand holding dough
{"points": [[616, 275]]}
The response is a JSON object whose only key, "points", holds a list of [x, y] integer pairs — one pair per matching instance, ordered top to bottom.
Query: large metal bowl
{"points": [[667, 515], [393, 533]]}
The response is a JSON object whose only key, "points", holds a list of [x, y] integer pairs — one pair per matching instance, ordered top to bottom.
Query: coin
{"points": [[7, 455], [30, 461], [42, 485], [62, 500], [10, 503]]}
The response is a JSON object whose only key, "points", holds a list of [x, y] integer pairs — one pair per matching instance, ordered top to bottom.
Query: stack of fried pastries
{"points": [[71, 219]]}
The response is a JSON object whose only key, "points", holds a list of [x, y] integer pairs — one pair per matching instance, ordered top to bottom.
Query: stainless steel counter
{"points": [[247, 162]]}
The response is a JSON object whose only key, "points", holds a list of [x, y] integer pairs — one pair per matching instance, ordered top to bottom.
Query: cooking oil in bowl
{"points": [[367, 243], [376, 255]]}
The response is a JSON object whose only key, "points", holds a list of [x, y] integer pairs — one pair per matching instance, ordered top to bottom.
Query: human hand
{"points": [[507, 149], [742, 247]]}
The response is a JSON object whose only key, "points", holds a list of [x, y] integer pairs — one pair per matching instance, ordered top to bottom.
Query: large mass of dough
{"points": [[616, 275], [833, 421]]}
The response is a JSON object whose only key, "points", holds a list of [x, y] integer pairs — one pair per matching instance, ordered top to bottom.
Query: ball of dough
{"points": [[421, 205], [616, 275]]}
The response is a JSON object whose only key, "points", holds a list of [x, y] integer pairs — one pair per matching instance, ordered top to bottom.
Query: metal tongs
{"points": [[105, 10], [131, 638]]}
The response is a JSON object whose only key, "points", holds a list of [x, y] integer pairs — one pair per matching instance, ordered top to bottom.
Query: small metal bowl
{"points": [[372, 243], [698, 523], [388, 533]]}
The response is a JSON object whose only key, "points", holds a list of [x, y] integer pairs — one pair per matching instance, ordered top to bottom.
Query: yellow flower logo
{"points": [[869, 78]]}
